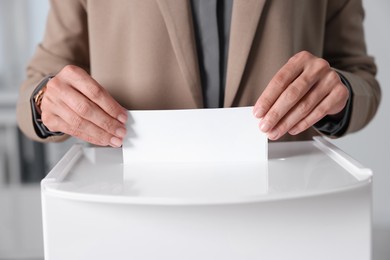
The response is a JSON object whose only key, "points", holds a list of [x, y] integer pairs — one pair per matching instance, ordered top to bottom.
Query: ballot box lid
{"points": [[293, 170]]}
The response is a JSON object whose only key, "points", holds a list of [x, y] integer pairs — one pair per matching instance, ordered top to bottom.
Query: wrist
{"points": [[36, 101]]}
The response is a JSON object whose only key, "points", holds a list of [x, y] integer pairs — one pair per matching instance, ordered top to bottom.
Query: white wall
{"points": [[371, 145]]}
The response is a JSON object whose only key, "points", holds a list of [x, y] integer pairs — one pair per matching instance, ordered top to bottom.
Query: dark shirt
{"points": [[212, 28]]}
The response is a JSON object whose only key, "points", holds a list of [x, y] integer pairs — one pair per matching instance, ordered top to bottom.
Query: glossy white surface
{"points": [[293, 170], [311, 202]]}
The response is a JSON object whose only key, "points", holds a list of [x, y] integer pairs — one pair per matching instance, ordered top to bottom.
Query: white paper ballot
{"points": [[194, 135], [195, 156]]}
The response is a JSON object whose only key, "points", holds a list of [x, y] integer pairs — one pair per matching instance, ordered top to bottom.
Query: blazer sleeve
{"points": [[65, 42], [345, 50]]}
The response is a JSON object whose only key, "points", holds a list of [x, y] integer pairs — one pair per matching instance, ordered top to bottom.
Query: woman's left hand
{"points": [[301, 93]]}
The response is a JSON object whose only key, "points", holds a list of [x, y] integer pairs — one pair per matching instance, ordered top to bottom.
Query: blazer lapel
{"points": [[178, 19], [245, 19]]}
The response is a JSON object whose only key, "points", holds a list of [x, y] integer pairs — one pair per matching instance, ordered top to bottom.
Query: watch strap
{"points": [[36, 99]]}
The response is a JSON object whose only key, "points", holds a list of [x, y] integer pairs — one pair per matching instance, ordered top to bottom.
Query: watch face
{"points": [[38, 99]]}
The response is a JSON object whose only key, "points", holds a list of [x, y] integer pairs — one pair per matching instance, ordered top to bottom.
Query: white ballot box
{"points": [[309, 200]]}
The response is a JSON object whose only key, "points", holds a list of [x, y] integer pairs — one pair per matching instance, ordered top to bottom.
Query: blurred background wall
{"points": [[371, 146], [24, 163]]}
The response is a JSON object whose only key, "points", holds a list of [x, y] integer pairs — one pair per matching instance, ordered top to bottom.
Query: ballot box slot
{"points": [[344, 160], [60, 171]]}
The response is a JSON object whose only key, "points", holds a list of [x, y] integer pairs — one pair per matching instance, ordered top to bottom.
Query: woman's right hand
{"points": [[75, 104]]}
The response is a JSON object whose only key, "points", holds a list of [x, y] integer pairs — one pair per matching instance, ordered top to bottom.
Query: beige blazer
{"points": [[144, 53]]}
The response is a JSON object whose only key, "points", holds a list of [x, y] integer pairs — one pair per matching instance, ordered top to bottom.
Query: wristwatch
{"points": [[36, 101]]}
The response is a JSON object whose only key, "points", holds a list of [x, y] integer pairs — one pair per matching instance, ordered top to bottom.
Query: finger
{"points": [[314, 71], [287, 74], [84, 83], [287, 100], [306, 104], [331, 104], [86, 109], [89, 111], [300, 111], [66, 121], [56, 123]]}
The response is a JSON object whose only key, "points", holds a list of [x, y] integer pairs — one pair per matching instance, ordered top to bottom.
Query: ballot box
{"points": [[309, 200]]}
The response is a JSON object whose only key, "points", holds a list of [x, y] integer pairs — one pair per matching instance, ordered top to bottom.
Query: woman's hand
{"points": [[301, 93], [75, 104]]}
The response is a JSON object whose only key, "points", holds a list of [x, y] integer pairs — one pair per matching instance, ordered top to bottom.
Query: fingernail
{"points": [[258, 112], [122, 118], [264, 126], [293, 131], [120, 132], [274, 134], [115, 142]]}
